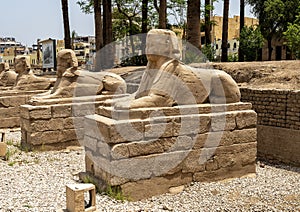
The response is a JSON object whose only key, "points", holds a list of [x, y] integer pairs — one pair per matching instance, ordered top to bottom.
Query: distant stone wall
{"points": [[277, 108], [278, 117]]}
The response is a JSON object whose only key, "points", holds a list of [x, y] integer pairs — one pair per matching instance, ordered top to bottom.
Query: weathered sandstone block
{"points": [[128, 153]]}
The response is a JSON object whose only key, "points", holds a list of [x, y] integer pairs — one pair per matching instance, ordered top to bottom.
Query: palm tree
{"points": [[65, 12], [107, 22], [242, 24], [98, 32], [193, 34], [224, 57], [107, 60]]}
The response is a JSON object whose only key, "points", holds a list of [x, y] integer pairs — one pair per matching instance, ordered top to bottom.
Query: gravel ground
{"points": [[35, 181]]}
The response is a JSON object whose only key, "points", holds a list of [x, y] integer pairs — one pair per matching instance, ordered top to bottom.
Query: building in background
{"points": [[233, 34], [84, 47]]}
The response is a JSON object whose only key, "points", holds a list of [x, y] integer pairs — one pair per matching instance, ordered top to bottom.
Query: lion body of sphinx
{"points": [[7, 77], [30, 82], [73, 82], [175, 83], [87, 84]]}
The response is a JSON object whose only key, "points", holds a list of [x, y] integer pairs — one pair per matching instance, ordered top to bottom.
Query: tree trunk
{"points": [[65, 12], [162, 14], [144, 16], [107, 22], [207, 22], [144, 23], [242, 24], [98, 32], [193, 34], [131, 37], [270, 48], [224, 57], [107, 60]]}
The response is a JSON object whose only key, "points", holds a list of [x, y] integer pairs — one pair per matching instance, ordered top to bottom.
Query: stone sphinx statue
{"points": [[7, 77], [26, 80], [72, 82], [168, 82]]}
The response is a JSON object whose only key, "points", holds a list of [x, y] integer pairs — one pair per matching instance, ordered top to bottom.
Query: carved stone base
{"points": [[10, 102], [56, 123], [148, 151]]}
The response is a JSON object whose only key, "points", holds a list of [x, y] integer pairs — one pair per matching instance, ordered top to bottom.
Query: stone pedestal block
{"points": [[10, 101], [56, 123], [3, 148], [147, 151], [76, 198]]}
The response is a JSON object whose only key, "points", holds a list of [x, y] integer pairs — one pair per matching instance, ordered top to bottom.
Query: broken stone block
{"points": [[75, 196]]}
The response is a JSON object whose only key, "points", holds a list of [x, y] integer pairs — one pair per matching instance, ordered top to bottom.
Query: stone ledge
{"points": [[144, 113], [56, 124], [119, 131]]}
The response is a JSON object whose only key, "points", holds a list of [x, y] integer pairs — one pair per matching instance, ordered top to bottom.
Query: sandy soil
{"points": [[269, 74]]}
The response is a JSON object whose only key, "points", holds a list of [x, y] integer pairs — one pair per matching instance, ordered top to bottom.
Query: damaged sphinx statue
{"points": [[7, 77], [26, 80], [73, 82], [168, 82]]}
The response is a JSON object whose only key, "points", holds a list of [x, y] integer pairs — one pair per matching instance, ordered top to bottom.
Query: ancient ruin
{"points": [[7, 77], [26, 80], [72, 82], [25, 86], [273, 89], [54, 119], [182, 125]]}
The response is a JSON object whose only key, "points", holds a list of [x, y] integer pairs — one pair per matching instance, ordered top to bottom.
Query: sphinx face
{"points": [[162, 43], [65, 59], [62, 65], [20, 66]]}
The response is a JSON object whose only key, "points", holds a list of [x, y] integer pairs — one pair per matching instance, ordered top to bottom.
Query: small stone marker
{"points": [[3, 145], [75, 197]]}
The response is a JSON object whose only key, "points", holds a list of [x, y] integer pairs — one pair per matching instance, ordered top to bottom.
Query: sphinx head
{"points": [[162, 43], [66, 59], [22, 64], [4, 67]]}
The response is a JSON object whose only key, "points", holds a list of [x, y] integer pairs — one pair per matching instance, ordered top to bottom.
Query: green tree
{"points": [[94, 6], [130, 9], [177, 12], [274, 16], [292, 35], [251, 41]]}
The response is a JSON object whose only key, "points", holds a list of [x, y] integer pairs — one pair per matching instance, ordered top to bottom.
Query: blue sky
{"points": [[32, 19]]}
